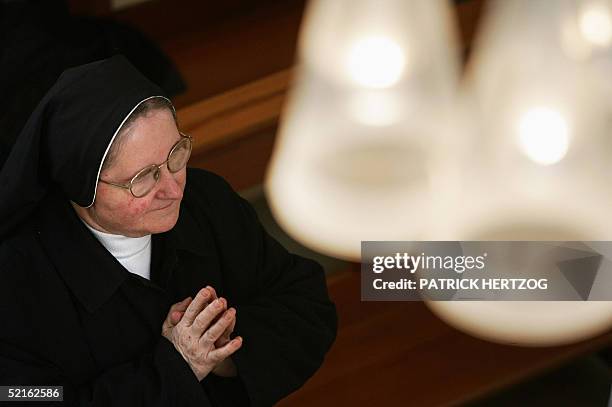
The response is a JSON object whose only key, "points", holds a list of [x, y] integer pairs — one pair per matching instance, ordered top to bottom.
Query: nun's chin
{"points": [[163, 220]]}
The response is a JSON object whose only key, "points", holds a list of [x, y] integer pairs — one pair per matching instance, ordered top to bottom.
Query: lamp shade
{"points": [[358, 136], [538, 164]]}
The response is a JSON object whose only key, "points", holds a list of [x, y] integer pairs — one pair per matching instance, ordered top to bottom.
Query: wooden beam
{"points": [[235, 114], [242, 163]]}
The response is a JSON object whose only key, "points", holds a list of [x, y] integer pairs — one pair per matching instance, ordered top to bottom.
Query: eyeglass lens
{"points": [[179, 156], [144, 182]]}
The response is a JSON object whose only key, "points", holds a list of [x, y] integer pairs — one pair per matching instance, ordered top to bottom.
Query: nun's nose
{"points": [[168, 185]]}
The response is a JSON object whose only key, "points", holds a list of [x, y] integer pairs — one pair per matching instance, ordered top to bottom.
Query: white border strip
{"points": [[113, 139]]}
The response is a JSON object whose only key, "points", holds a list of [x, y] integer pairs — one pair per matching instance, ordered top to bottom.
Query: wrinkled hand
{"points": [[195, 326]]}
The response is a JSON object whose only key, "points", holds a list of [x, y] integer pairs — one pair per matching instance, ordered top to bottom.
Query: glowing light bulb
{"points": [[596, 25], [375, 62], [543, 135]]}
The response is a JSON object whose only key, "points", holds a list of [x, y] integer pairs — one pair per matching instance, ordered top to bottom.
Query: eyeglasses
{"points": [[143, 182]]}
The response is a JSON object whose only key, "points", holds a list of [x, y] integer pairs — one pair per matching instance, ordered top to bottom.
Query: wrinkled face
{"points": [[116, 210]]}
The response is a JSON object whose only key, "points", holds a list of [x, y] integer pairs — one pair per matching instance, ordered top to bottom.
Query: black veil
{"points": [[65, 140]]}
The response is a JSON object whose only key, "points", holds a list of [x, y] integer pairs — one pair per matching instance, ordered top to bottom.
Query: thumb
{"points": [[176, 312], [175, 317]]}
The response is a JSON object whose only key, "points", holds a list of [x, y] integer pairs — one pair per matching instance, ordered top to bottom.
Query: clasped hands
{"points": [[200, 331]]}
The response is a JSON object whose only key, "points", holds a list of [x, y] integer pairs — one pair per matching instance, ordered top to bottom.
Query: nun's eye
{"points": [[178, 157], [144, 181]]}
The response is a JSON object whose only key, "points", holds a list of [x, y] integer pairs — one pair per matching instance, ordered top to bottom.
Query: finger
{"points": [[213, 293], [197, 305], [180, 306], [176, 317], [172, 318], [206, 319], [233, 325], [217, 329], [225, 336], [223, 339], [226, 351]]}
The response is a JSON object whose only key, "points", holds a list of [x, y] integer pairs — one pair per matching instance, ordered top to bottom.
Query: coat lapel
{"points": [[197, 260]]}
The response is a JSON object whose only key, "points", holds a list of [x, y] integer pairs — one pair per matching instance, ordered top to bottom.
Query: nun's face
{"points": [[116, 210]]}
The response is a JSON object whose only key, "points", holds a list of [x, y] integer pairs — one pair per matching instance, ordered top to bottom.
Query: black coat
{"points": [[73, 316]]}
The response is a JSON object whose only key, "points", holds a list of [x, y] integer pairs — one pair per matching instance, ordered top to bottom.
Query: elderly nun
{"points": [[131, 280]]}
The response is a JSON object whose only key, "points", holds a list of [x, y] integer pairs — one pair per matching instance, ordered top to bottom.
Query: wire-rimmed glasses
{"points": [[144, 181]]}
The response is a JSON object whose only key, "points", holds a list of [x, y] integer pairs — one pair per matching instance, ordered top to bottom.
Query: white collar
{"points": [[134, 253]]}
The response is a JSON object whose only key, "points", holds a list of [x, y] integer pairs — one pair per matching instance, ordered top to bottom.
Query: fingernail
{"points": [[216, 303]]}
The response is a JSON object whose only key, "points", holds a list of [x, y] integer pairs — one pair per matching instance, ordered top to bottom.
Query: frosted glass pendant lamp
{"points": [[588, 38], [358, 136], [539, 164]]}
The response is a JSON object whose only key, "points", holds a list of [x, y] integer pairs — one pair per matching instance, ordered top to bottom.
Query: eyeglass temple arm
{"points": [[126, 186]]}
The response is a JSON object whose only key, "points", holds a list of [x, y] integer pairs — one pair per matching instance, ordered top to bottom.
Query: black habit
{"points": [[73, 316]]}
